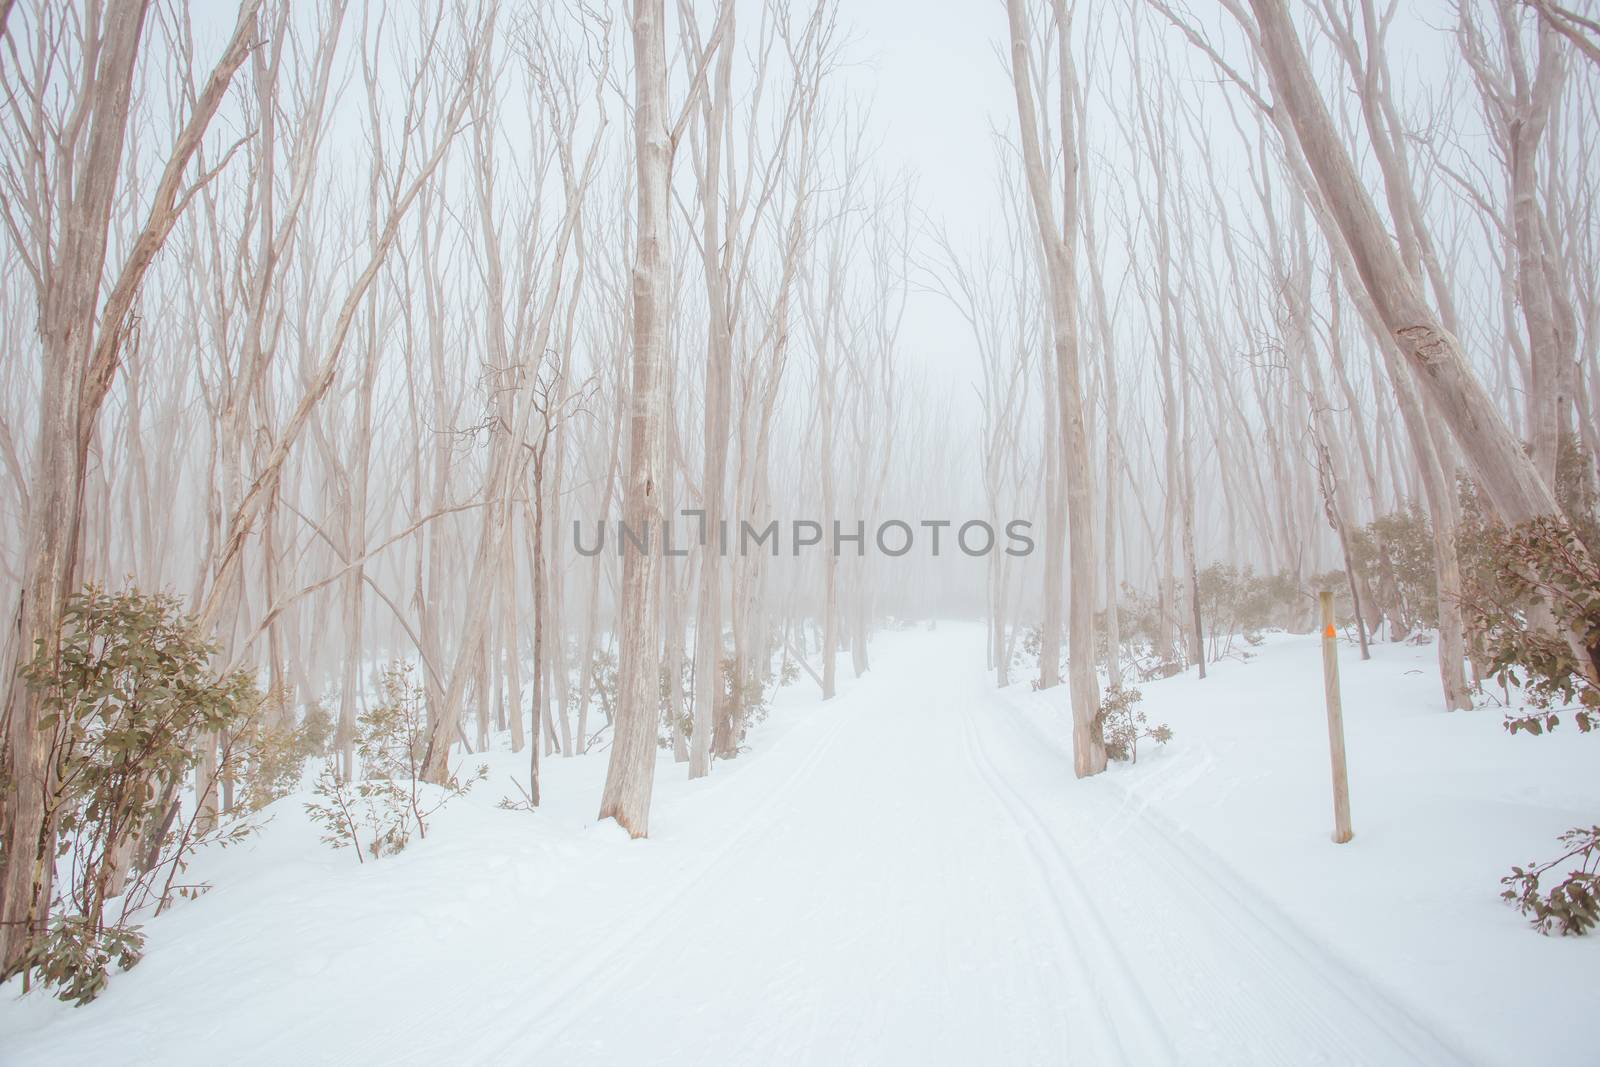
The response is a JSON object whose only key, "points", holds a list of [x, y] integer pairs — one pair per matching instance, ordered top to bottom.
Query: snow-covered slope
{"points": [[1443, 805], [910, 874]]}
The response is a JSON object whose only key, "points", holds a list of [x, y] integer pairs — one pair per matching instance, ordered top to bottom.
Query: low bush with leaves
{"points": [[1481, 540], [1395, 553], [1540, 562], [1237, 602], [1534, 621], [1032, 645], [788, 671], [603, 678], [685, 697], [746, 697], [126, 704], [1543, 722], [1122, 724], [274, 750], [377, 814], [1573, 905], [75, 959]]}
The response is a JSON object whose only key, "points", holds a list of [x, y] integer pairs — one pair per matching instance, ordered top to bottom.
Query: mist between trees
{"points": [[332, 320]]}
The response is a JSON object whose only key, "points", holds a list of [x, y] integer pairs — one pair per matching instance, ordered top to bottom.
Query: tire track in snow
{"points": [[1078, 921], [1263, 926], [1216, 957], [587, 972], [1336, 1013]]}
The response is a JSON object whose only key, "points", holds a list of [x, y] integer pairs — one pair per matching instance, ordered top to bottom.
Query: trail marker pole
{"points": [[1330, 679]]}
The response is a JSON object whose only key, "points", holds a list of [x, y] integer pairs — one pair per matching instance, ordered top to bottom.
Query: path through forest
{"points": [[906, 874], [927, 884]]}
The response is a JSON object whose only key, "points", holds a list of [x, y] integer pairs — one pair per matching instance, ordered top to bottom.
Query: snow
{"points": [[1443, 805], [910, 874]]}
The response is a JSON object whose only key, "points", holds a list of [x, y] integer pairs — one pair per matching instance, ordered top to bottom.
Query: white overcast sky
{"points": [[938, 87]]}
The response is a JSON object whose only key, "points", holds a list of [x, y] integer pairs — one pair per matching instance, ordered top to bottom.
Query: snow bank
{"points": [[1442, 805], [910, 874]]}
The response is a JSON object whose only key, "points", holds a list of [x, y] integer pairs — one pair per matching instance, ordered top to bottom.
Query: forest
{"points": [[512, 507]]}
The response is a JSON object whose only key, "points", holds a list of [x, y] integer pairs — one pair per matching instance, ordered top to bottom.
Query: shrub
{"points": [[1576, 490], [1480, 538], [1399, 546], [1540, 561], [1540, 567], [1234, 602], [1238, 602], [1344, 613], [1032, 645], [1148, 656], [603, 681], [685, 695], [746, 697], [126, 704], [1122, 724], [273, 752], [377, 815], [1573, 907], [75, 959]]}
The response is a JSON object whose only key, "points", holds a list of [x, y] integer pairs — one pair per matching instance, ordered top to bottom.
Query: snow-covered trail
{"points": [[907, 874], [926, 884]]}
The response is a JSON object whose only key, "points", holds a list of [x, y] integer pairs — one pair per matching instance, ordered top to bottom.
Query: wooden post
{"points": [[1330, 678]]}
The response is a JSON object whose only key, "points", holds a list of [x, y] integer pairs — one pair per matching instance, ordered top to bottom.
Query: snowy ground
{"points": [[910, 874]]}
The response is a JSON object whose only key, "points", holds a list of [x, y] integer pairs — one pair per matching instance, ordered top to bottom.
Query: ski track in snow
{"points": [[908, 874], [1183, 975]]}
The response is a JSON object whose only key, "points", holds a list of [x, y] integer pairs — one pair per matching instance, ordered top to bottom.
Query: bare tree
{"points": [[1059, 236], [631, 771]]}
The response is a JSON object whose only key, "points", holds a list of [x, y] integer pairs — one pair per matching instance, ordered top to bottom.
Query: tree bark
{"points": [[1060, 244], [630, 773]]}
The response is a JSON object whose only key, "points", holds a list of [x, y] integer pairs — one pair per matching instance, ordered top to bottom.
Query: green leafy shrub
{"points": [[1576, 490], [1480, 538], [1399, 546], [1539, 562], [1541, 569], [1237, 602], [1344, 613], [1032, 644], [603, 681], [685, 685], [745, 698], [126, 705], [1540, 722], [1122, 724], [273, 750], [377, 814], [1573, 906], [75, 959]]}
